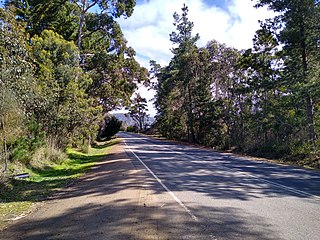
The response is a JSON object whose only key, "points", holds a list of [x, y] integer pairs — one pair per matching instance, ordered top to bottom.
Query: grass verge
{"points": [[18, 196]]}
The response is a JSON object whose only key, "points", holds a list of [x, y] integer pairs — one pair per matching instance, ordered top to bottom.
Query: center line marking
{"points": [[164, 186]]}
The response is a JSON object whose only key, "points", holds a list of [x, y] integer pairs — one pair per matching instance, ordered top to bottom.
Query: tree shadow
{"points": [[183, 170], [200, 171], [223, 176], [51, 179], [125, 218], [131, 221]]}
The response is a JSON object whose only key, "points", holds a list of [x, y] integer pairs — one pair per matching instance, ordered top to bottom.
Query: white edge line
{"points": [[278, 185], [164, 186], [281, 186], [289, 189]]}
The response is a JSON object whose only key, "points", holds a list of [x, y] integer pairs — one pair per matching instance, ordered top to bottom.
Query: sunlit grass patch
{"points": [[18, 195]]}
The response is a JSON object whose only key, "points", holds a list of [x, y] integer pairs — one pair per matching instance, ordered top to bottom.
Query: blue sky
{"points": [[232, 22]]}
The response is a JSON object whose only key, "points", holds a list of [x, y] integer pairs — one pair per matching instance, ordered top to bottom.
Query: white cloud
{"points": [[148, 29]]}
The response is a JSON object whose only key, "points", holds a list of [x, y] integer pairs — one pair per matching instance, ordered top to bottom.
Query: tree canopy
{"points": [[63, 67], [263, 100], [138, 111]]}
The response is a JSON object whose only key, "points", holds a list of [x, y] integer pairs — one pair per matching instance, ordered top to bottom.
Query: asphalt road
{"points": [[221, 196]]}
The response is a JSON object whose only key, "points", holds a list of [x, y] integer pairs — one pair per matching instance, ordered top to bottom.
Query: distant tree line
{"points": [[63, 67], [263, 100]]}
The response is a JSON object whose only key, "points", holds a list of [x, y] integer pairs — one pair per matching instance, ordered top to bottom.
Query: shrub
{"points": [[110, 126], [132, 129], [84, 146], [24, 147], [21, 151], [270, 151], [49, 153]]}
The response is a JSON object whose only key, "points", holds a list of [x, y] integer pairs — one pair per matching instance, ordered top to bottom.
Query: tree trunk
{"points": [[81, 25], [308, 99], [190, 117], [310, 119], [140, 124], [6, 155]]}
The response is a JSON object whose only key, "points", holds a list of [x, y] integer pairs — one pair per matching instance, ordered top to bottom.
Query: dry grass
{"points": [[47, 155], [51, 170]]}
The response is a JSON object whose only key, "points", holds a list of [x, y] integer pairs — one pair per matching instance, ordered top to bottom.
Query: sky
{"points": [[232, 22]]}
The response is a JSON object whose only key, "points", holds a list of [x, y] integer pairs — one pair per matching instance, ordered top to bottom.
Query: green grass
{"points": [[17, 197]]}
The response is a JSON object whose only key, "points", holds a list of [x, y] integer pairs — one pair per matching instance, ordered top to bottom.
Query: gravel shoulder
{"points": [[117, 199], [112, 201]]}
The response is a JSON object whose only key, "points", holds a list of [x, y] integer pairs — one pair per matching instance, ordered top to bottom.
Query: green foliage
{"points": [[59, 16], [300, 39], [16, 65], [62, 69], [176, 83], [17, 91], [194, 92], [263, 101], [65, 107], [138, 111], [11, 116], [110, 126], [132, 129], [25, 146], [21, 152], [51, 175], [46, 177]]}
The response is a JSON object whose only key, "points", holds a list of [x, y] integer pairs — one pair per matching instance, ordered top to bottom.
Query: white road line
{"points": [[278, 185], [164, 186], [289, 189]]}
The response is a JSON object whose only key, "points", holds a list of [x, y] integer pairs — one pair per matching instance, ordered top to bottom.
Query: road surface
{"points": [[152, 189], [231, 198]]}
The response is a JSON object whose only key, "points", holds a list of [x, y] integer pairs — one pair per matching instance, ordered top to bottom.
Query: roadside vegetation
{"points": [[63, 68], [262, 101], [18, 195]]}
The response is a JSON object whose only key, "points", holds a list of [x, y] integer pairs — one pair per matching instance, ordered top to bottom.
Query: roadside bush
{"points": [[110, 126], [132, 129], [84, 146], [24, 147], [21, 151], [270, 151], [49, 153]]}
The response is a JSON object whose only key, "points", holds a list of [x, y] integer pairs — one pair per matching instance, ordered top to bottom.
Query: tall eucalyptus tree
{"points": [[300, 36]]}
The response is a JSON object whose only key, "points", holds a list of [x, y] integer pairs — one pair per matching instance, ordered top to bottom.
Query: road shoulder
{"points": [[110, 199]]}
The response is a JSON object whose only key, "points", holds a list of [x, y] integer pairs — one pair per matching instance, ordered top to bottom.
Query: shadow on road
{"points": [[222, 176], [108, 216], [112, 216], [125, 220]]}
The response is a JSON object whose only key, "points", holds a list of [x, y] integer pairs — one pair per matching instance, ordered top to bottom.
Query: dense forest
{"points": [[64, 66], [263, 101]]}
